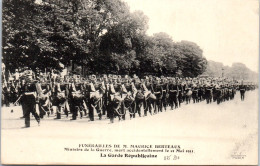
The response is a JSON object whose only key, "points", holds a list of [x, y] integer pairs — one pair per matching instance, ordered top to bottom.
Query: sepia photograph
{"points": [[129, 82]]}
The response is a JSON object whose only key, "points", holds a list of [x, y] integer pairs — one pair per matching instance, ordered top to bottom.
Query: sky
{"points": [[226, 30]]}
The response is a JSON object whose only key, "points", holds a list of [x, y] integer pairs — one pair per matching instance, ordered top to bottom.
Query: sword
{"points": [[18, 100]]}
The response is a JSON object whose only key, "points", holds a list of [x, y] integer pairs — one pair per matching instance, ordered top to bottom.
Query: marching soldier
{"points": [[242, 89], [158, 91], [181, 91], [165, 92], [173, 94], [139, 96], [28, 102]]}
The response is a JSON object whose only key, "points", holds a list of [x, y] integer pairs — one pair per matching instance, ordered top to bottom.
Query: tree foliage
{"points": [[102, 36], [237, 71]]}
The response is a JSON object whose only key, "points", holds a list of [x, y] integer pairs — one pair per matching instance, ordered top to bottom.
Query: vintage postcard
{"points": [[130, 82]]}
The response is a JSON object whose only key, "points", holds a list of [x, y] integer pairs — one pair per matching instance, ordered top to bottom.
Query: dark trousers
{"points": [[242, 94], [173, 99], [139, 104], [28, 106]]}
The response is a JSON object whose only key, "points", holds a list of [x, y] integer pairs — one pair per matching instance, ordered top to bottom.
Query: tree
{"points": [[101, 36], [41, 37], [118, 45], [192, 63]]}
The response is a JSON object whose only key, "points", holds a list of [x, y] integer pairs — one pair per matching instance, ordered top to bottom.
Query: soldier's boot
{"points": [[85, 112], [103, 112], [145, 112], [66, 113], [81, 114], [58, 116], [74, 117], [111, 117], [91, 118], [111, 120], [27, 122]]}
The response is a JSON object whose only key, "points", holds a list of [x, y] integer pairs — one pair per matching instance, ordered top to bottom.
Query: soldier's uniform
{"points": [[242, 89], [158, 91], [181, 92], [165, 93], [195, 93], [173, 94], [139, 97], [76, 98], [106, 98], [28, 101], [129, 101], [150, 102]]}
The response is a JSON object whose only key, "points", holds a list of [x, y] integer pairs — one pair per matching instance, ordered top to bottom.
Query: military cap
{"points": [[104, 76], [135, 76], [115, 77]]}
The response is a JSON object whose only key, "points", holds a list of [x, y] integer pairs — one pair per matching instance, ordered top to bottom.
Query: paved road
{"points": [[219, 134]]}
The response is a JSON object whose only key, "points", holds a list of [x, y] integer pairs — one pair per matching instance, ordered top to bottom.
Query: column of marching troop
{"points": [[115, 96]]}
